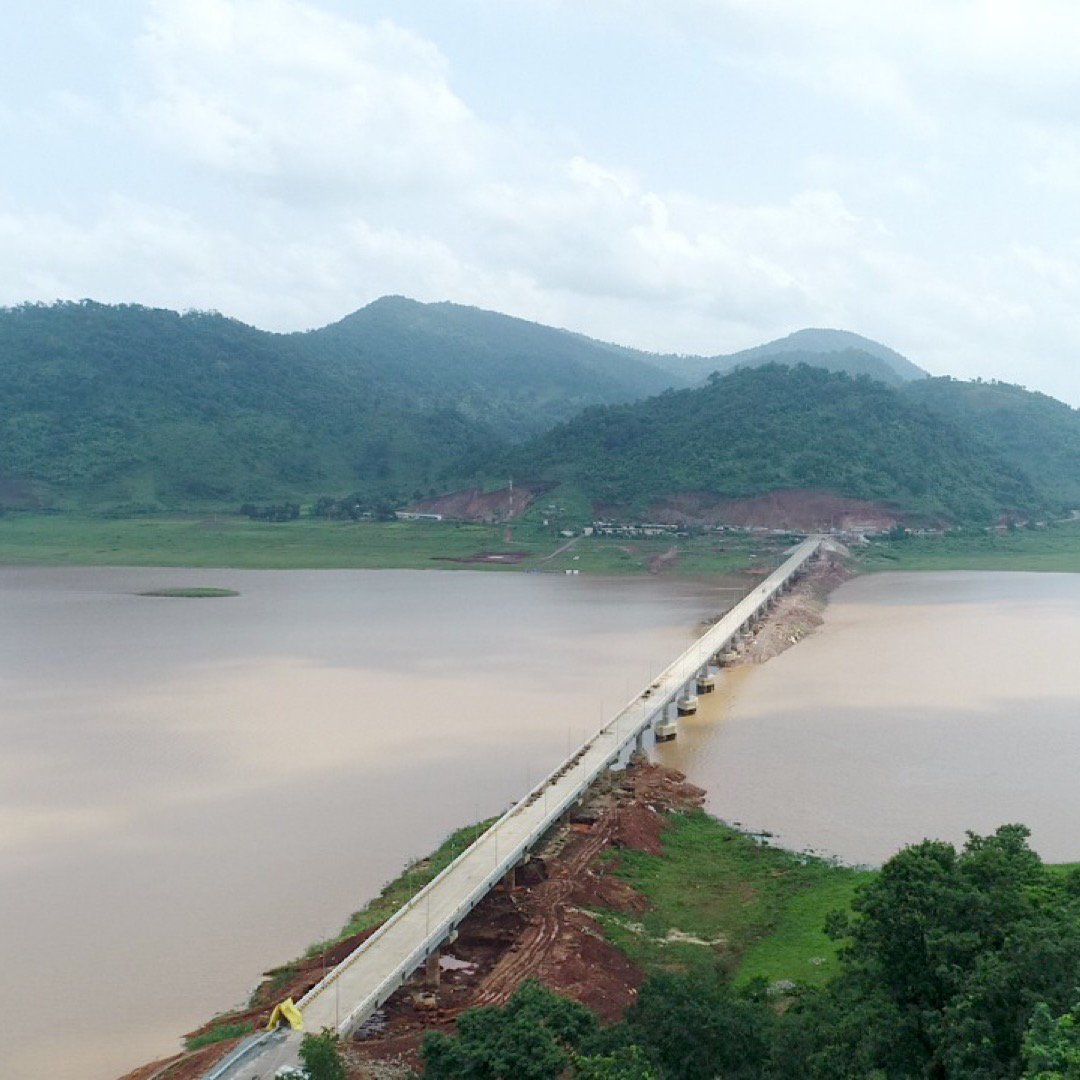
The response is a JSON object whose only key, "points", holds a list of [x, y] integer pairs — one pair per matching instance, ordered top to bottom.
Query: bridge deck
{"points": [[353, 990]]}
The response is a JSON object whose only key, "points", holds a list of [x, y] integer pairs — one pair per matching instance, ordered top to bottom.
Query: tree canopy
{"points": [[957, 965]]}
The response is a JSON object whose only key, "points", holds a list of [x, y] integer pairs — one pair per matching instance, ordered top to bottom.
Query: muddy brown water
{"points": [[927, 704], [192, 790]]}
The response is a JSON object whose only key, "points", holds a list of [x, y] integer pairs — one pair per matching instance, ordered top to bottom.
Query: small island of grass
{"points": [[197, 593]]}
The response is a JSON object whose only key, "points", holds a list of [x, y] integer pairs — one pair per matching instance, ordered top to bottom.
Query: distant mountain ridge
{"points": [[833, 350], [516, 377], [136, 409]]}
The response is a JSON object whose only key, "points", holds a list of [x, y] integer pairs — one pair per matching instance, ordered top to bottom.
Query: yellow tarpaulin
{"points": [[286, 1012]]}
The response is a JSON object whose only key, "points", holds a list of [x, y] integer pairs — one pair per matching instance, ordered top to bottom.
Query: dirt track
{"points": [[539, 929]]}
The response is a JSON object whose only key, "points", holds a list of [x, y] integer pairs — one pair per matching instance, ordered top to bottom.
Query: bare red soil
{"points": [[472, 504], [788, 509], [533, 927], [538, 928]]}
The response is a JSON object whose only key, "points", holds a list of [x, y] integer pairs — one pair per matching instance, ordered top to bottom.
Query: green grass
{"points": [[229, 541], [232, 541], [1056, 548], [404, 887], [759, 910], [218, 1033]]}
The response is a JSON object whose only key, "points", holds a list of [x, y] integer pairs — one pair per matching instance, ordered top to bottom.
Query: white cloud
{"points": [[281, 91], [329, 161]]}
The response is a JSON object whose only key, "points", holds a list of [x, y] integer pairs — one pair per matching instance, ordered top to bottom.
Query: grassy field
{"points": [[231, 541], [1052, 549], [717, 893]]}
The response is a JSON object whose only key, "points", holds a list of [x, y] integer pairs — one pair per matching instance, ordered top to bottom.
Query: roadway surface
{"points": [[352, 991]]}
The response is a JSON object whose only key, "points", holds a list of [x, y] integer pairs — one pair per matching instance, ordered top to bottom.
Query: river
{"points": [[926, 705], [193, 790]]}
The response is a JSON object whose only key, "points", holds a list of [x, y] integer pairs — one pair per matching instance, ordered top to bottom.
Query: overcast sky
{"points": [[686, 175]]}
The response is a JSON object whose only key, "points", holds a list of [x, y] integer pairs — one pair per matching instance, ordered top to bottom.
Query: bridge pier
{"points": [[706, 681], [686, 705], [668, 726], [639, 743], [433, 969]]}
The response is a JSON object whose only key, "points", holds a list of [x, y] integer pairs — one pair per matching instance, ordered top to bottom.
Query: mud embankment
{"points": [[797, 612], [535, 926]]}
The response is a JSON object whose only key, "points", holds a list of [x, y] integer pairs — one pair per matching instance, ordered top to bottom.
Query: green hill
{"points": [[833, 350], [519, 378], [127, 405], [132, 408], [772, 428], [1037, 433]]}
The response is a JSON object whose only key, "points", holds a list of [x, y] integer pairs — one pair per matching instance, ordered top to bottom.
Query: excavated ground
{"points": [[472, 504], [808, 511], [538, 926], [533, 927]]}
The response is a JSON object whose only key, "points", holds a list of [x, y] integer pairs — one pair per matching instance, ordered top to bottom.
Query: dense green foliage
{"points": [[515, 377], [130, 405], [139, 407], [135, 410], [775, 427], [1034, 432], [956, 965], [530, 1038], [1052, 1045], [320, 1056]]}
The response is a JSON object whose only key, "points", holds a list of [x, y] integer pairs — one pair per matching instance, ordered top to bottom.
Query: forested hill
{"points": [[834, 350], [517, 377], [104, 405], [133, 408], [143, 408], [769, 428], [1035, 432]]}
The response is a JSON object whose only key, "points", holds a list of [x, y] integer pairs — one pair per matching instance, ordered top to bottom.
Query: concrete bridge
{"points": [[413, 935]]}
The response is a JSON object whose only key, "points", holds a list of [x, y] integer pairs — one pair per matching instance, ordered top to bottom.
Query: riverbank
{"points": [[220, 541], [1055, 548], [639, 880]]}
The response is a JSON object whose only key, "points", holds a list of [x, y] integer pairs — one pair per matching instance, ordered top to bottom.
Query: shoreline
{"points": [[218, 542], [656, 791], [595, 911]]}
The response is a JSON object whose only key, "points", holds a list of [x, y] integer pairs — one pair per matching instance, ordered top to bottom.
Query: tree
{"points": [[946, 958], [699, 1028], [530, 1038], [1052, 1046], [321, 1056], [626, 1063]]}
